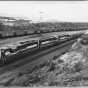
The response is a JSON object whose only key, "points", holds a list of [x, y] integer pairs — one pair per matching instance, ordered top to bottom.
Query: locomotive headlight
{"points": [[7, 53]]}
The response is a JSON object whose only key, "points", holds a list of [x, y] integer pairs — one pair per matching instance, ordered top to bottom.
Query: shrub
{"points": [[55, 57], [60, 61], [78, 66]]}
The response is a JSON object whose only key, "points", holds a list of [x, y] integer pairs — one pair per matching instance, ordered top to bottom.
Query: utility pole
{"points": [[41, 16], [40, 20]]}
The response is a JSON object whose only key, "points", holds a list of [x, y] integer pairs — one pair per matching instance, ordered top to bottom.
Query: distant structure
{"points": [[14, 22]]}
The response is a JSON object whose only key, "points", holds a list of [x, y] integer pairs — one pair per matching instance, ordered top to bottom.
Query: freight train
{"points": [[20, 49]]}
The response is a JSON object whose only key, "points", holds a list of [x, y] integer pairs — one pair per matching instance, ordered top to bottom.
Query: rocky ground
{"points": [[69, 69]]}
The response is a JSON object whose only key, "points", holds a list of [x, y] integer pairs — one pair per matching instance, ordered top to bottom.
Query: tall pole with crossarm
{"points": [[41, 16]]}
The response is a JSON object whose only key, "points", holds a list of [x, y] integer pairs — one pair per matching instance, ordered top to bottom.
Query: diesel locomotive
{"points": [[20, 49]]}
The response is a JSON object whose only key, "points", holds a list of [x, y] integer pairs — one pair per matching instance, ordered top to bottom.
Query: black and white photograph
{"points": [[43, 43]]}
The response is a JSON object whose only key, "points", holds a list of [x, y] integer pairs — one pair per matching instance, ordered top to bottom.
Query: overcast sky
{"points": [[46, 10]]}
